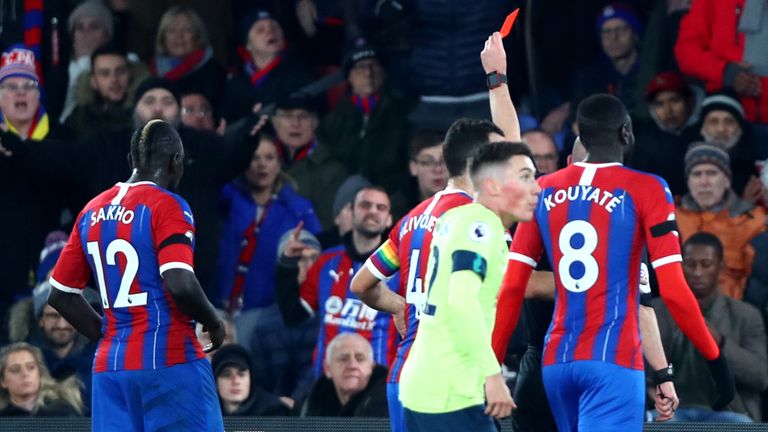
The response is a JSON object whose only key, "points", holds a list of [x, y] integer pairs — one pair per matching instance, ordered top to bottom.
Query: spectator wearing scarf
{"points": [[183, 54], [268, 72]]}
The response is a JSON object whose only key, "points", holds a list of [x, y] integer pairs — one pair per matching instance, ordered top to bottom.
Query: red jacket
{"points": [[708, 40]]}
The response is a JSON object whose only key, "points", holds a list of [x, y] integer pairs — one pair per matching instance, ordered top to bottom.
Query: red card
{"points": [[508, 23]]}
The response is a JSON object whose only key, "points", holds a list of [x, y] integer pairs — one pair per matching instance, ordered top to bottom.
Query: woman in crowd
{"points": [[183, 54], [27, 389]]}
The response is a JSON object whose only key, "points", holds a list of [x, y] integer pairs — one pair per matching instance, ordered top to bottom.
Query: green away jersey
{"points": [[452, 355]]}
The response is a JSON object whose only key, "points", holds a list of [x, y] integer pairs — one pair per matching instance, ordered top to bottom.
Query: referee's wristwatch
{"points": [[495, 79], [664, 375]]}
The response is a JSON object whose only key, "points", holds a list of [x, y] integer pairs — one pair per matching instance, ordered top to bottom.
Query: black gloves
{"points": [[721, 374]]}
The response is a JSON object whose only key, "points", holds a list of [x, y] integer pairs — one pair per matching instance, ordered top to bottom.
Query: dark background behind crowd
{"points": [[359, 94]]}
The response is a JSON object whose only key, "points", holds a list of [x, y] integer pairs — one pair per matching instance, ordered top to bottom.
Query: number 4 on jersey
{"points": [[124, 298]]}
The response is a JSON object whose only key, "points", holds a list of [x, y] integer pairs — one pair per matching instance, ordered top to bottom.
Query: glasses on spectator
{"points": [[617, 31], [16, 87], [196, 112], [300, 116], [430, 163]]}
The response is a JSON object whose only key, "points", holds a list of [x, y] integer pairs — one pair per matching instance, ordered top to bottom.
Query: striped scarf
{"points": [[33, 31], [175, 68], [257, 76]]}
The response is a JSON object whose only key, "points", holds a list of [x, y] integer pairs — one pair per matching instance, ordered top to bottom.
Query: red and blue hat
{"points": [[18, 62]]}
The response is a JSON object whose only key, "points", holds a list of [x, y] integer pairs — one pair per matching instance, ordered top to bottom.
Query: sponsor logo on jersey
{"points": [[350, 313]]}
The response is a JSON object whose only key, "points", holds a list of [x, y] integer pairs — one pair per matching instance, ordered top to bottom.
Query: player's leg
{"points": [[563, 395], [182, 398], [614, 400], [109, 404], [396, 413], [467, 419]]}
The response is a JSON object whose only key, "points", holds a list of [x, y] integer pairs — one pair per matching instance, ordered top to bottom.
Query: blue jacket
{"points": [[283, 213]]}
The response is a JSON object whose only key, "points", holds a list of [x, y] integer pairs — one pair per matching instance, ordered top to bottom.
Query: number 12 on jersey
{"points": [[124, 298]]}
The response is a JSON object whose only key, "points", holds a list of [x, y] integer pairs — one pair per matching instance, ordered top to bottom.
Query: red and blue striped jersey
{"points": [[594, 220], [126, 238], [406, 252], [326, 291]]}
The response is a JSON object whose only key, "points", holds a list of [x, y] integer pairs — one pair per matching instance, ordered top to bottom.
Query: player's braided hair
{"points": [[153, 144]]}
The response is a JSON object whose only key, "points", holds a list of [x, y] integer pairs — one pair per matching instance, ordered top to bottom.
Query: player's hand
{"points": [[493, 57], [294, 246], [399, 319], [216, 334], [666, 401], [499, 403]]}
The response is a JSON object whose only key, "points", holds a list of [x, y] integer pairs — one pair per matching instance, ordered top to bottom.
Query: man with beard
{"points": [[723, 124], [326, 290]]}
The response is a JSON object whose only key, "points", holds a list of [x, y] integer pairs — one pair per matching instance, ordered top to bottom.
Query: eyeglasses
{"points": [[16, 87], [197, 112], [430, 163]]}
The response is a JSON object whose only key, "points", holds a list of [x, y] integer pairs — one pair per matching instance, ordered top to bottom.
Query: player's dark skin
{"points": [[165, 171]]}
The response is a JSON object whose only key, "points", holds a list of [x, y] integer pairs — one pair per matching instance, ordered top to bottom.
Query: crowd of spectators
{"points": [[311, 126]]}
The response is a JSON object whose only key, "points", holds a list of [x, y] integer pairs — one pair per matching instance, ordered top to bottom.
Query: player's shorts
{"points": [[595, 396], [179, 398], [396, 413], [467, 419]]}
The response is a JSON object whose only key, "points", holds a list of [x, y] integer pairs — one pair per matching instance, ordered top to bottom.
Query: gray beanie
{"points": [[95, 9], [700, 153], [347, 191]]}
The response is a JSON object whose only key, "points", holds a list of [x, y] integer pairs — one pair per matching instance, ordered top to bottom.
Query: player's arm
{"points": [[503, 113], [525, 245], [664, 250], [68, 279], [368, 282], [541, 286], [189, 297], [665, 396]]}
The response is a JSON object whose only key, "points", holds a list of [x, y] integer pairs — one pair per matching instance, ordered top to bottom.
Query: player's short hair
{"points": [[600, 118], [424, 139], [462, 140], [153, 144], [495, 154], [703, 238], [341, 337]]}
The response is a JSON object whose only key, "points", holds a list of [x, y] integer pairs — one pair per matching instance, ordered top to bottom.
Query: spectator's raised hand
{"points": [[306, 13], [493, 56], [294, 246]]}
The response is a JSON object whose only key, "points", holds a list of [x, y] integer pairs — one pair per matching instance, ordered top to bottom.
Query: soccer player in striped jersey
{"points": [[593, 219], [136, 240], [406, 251]]}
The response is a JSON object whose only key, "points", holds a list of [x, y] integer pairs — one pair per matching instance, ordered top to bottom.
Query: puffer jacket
{"points": [[735, 223]]}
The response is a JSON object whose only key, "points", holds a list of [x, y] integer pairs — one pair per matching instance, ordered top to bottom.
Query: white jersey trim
{"points": [[522, 258], [667, 260], [175, 265], [376, 273], [61, 287]]}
